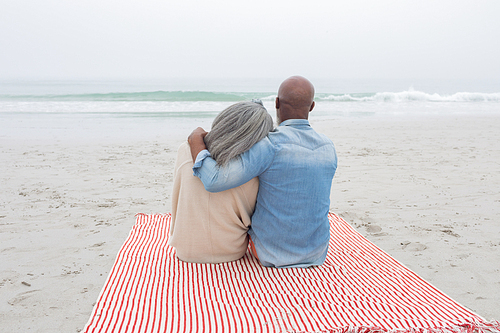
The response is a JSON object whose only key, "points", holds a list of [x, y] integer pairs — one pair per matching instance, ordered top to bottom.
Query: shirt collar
{"points": [[295, 122]]}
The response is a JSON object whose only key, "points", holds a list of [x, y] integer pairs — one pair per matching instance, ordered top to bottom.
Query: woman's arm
{"points": [[196, 142]]}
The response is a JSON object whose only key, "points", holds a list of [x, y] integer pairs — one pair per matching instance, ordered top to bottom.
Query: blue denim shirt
{"points": [[295, 166]]}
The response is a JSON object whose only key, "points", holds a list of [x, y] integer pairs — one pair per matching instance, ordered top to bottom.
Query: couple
{"points": [[246, 183]]}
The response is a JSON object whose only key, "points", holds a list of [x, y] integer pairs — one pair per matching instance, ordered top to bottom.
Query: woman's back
{"points": [[208, 227]]}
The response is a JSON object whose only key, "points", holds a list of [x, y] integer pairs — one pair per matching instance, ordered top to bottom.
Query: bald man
{"points": [[295, 166]]}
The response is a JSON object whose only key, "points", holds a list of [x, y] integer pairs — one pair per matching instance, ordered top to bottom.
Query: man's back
{"points": [[290, 225]]}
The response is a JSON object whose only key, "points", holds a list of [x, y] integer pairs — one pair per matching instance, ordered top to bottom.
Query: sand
{"points": [[425, 190]]}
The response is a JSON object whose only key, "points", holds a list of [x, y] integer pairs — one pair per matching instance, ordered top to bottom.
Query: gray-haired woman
{"points": [[212, 227]]}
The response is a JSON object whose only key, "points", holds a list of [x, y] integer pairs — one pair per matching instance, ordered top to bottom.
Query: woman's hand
{"points": [[196, 142]]}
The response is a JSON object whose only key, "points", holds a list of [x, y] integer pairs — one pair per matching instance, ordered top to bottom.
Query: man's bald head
{"points": [[295, 99]]}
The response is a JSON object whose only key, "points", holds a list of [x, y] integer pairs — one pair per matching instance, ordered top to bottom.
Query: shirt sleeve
{"points": [[236, 172]]}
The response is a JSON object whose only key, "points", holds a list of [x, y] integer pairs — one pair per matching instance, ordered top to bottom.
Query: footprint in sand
{"points": [[373, 229], [414, 247], [21, 297]]}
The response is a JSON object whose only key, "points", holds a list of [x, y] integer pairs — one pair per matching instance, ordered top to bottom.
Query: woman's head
{"points": [[237, 129]]}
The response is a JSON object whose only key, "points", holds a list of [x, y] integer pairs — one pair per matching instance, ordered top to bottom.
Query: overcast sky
{"points": [[270, 38]]}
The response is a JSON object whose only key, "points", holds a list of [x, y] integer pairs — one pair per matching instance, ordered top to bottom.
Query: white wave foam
{"points": [[412, 95], [269, 98]]}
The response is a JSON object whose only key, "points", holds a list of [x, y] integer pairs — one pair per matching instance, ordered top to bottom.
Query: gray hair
{"points": [[236, 129]]}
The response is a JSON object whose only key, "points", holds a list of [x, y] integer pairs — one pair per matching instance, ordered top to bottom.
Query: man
{"points": [[295, 166]]}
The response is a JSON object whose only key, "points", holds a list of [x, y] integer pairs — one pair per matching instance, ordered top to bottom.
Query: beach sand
{"points": [[424, 189]]}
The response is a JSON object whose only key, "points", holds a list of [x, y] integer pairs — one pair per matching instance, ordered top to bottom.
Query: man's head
{"points": [[295, 99]]}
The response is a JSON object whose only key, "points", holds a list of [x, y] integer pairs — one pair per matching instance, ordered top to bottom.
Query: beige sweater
{"points": [[208, 227]]}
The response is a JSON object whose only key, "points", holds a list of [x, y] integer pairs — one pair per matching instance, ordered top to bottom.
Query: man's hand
{"points": [[196, 142]]}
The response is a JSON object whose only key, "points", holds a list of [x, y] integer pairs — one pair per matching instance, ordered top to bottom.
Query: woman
{"points": [[212, 227]]}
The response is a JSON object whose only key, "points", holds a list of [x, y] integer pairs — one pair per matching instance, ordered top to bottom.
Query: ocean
{"points": [[95, 110]]}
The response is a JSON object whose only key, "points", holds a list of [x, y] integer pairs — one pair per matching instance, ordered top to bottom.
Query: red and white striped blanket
{"points": [[359, 289]]}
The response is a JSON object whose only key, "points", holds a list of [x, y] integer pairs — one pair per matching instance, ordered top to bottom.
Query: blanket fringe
{"points": [[470, 327]]}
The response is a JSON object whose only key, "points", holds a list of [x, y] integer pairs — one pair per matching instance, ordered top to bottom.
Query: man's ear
{"points": [[277, 103], [312, 106]]}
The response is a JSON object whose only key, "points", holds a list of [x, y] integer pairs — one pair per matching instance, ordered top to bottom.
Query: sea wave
{"points": [[411, 95], [153, 96], [207, 96]]}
